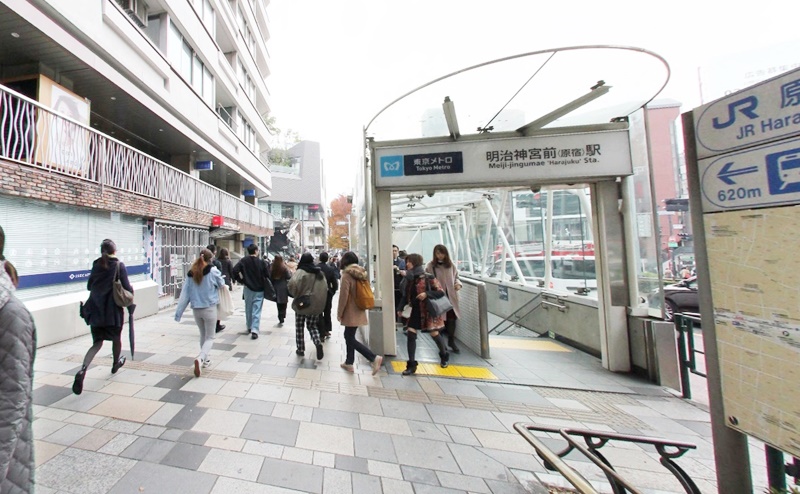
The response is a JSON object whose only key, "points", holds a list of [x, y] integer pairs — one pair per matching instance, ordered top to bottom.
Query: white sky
{"points": [[336, 63]]}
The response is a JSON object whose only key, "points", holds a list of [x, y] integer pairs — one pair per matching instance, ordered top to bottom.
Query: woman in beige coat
{"points": [[446, 272], [350, 316]]}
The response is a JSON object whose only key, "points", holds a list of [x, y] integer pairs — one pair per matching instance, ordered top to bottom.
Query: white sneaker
{"points": [[206, 363], [376, 365]]}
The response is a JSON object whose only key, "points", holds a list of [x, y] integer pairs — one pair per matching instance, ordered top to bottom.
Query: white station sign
{"points": [[766, 112], [570, 158]]}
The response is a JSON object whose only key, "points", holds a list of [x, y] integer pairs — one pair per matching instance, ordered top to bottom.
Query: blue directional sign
{"points": [[766, 112], [758, 177]]}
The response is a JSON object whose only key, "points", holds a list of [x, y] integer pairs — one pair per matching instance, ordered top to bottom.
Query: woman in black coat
{"points": [[280, 275], [105, 316]]}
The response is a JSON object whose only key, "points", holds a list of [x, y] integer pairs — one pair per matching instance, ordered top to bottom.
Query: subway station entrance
{"points": [[548, 219]]}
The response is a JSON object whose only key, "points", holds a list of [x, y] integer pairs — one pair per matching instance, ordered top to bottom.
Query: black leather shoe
{"points": [[220, 327], [253, 336], [453, 347], [301, 353], [320, 354], [444, 360], [119, 363], [409, 372], [77, 386]]}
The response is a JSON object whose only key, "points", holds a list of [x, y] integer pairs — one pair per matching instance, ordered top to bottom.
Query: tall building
{"points": [[142, 121], [669, 178], [298, 201]]}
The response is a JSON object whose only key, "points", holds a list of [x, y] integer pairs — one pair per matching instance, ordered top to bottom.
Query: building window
{"points": [[206, 14], [244, 30], [189, 65], [246, 82], [246, 133], [287, 211]]}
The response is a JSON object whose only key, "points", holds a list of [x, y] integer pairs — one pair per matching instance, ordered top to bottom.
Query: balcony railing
{"points": [[33, 135]]}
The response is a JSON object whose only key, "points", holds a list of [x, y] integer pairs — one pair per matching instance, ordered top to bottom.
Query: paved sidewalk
{"points": [[262, 419]]}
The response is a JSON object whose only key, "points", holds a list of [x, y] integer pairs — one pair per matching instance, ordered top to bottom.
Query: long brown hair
{"points": [[446, 262], [200, 265], [278, 268], [10, 269]]}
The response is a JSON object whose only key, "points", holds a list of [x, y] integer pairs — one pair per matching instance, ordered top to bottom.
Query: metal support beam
{"points": [[554, 115], [450, 117]]}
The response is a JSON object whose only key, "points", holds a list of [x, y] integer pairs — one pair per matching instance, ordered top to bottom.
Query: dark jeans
{"points": [[281, 311], [325, 324], [353, 344]]}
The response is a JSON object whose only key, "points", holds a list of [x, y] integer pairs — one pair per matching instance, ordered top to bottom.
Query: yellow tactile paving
{"points": [[520, 344], [433, 369]]}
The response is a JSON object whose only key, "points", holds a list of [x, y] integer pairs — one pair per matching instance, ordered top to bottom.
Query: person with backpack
{"points": [[253, 272], [420, 286], [310, 291], [351, 315], [326, 325]]}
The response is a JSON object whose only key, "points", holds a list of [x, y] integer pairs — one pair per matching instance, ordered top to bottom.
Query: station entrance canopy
{"points": [[550, 117], [552, 120]]}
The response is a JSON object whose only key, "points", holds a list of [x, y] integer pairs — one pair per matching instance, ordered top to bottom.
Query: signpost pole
{"points": [[730, 446]]}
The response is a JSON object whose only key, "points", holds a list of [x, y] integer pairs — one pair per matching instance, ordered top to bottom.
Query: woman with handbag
{"points": [[445, 271], [280, 277], [419, 286], [201, 290], [105, 315], [351, 316]]}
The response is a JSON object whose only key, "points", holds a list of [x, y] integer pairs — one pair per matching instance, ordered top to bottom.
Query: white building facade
{"points": [[139, 121]]}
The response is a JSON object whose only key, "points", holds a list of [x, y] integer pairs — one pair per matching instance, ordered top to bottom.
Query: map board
{"points": [[751, 221], [756, 293]]}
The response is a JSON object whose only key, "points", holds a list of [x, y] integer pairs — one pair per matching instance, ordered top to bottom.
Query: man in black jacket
{"points": [[217, 264], [252, 270], [326, 326]]}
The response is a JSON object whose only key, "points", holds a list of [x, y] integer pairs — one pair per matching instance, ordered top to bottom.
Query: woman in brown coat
{"points": [[446, 272], [418, 287], [350, 316]]}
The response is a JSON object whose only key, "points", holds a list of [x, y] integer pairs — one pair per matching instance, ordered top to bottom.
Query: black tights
{"points": [[116, 349]]}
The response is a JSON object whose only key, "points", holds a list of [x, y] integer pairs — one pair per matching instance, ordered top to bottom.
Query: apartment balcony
{"points": [[33, 135]]}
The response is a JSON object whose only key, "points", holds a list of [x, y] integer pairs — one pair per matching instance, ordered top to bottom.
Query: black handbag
{"points": [[269, 290], [438, 306], [83, 310]]}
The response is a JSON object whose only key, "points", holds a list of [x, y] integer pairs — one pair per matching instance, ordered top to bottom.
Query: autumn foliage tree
{"points": [[340, 209]]}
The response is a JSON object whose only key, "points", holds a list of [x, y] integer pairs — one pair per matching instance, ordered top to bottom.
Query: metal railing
{"points": [[34, 135], [688, 350], [594, 440]]}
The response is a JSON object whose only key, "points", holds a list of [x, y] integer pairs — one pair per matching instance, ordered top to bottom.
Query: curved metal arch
{"points": [[528, 54]]}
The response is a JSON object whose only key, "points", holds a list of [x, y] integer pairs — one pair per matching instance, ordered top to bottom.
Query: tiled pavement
{"points": [[262, 419]]}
